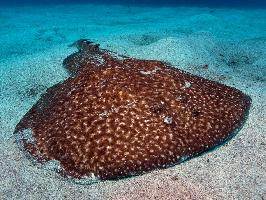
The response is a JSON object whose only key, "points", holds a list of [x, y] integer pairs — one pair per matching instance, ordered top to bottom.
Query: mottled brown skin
{"points": [[124, 117]]}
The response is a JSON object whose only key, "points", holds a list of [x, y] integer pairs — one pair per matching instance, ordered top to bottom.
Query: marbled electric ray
{"points": [[118, 116]]}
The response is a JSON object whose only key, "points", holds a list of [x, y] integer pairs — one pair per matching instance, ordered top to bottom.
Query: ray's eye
{"points": [[158, 108], [195, 113]]}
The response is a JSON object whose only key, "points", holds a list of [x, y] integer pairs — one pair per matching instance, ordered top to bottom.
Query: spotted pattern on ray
{"points": [[118, 116]]}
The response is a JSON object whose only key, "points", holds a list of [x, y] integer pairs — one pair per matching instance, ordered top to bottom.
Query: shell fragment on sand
{"points": [[118, 116]]}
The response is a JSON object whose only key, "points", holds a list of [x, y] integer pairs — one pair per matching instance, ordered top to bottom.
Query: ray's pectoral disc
{"points": [[118, 116]]}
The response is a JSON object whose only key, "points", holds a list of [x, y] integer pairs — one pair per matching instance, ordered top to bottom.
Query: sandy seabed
{"points": [[225, 45]]}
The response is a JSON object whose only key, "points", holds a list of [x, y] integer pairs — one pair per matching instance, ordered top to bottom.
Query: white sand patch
{"points": [[220, 44]]}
